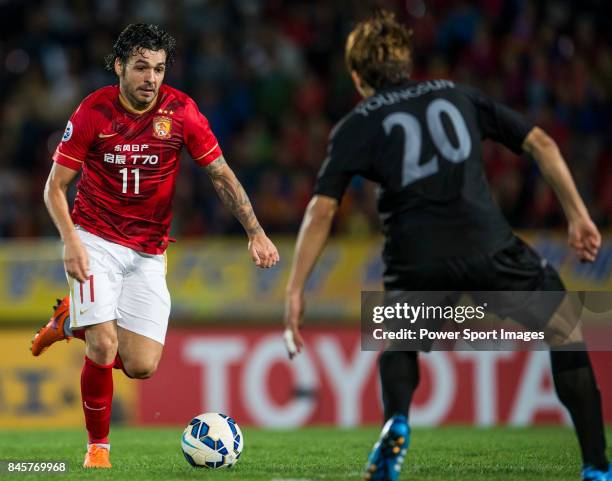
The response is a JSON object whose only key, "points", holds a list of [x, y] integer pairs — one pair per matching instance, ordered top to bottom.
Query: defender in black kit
{"points": [[421, 142]]}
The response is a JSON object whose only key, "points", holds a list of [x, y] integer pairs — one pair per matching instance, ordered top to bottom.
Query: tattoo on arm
{"points": [[232, 194]]}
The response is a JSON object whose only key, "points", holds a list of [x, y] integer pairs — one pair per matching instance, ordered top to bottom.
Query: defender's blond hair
{"points": [[380, 50]]}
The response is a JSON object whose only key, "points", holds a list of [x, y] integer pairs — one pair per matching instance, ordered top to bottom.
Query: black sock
{"points": [[399, 378], [577, 389]]}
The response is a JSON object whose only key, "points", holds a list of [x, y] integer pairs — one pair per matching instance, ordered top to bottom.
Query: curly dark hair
{"points": [[141, 36], [380, 50]]}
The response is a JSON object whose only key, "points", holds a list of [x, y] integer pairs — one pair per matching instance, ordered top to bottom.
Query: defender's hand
{"points": [[585, 238], [263, 251], [76, 260], [294, 309]]}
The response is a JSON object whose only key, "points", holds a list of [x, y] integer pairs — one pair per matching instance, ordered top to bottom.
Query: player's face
{"points": [[141, 77]]}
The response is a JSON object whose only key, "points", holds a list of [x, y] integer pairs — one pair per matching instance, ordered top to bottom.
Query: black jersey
{"points": [[421, 142]]}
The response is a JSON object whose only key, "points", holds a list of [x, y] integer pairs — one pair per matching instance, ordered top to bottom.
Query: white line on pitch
{"points": [[291, 479]]}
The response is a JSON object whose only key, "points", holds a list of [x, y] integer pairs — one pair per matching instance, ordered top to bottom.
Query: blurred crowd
{"points": [[270, 77]]}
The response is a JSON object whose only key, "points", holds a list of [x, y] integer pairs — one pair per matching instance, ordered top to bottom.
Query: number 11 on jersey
{"points": [[136, 173]]}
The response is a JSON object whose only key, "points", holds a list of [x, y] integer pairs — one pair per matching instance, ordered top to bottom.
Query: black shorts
{"points": [[516, 267], [516, 271]]}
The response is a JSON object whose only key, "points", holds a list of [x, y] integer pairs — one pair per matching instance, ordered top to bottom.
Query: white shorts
{"points": [[123, 284]]}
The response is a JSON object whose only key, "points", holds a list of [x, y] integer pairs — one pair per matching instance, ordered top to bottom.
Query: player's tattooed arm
{"points": [[233, 195]]}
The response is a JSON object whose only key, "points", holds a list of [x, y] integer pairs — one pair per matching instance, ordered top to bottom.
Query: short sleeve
{"points": [[498, 122], [78, 136], [199, 139], [346, 154]]}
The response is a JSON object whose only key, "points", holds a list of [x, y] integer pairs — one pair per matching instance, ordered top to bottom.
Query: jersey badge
{"points": [[162, 127], [67, 132]]}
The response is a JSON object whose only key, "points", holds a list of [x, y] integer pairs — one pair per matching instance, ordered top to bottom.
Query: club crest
{"points": [[162, 127]]}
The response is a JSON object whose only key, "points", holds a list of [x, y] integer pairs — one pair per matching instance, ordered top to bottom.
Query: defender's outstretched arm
{"points": [[313, 234], [583, 235]]}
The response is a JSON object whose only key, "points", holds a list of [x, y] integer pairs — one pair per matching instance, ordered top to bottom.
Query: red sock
{"points": [[79, 334], [118, 364], [97, 394]]}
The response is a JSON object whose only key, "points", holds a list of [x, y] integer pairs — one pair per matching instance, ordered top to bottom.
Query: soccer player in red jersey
{"points": [[126, 141]]}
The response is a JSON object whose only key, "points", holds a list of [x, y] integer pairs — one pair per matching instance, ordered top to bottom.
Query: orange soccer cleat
{"points": [[54, 330], [97, 457]]}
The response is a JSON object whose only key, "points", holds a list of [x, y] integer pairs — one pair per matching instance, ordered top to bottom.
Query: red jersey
{"points": [[129, 163]]}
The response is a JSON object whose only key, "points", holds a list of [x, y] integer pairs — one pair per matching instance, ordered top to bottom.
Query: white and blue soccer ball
{"points": [[212, 440]]}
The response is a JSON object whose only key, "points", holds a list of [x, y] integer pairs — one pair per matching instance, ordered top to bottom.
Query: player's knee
{"points": [[561, 336], [102, 347], [140, 369], [142, 373]]}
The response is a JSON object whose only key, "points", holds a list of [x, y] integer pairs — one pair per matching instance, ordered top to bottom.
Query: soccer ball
{"points": [[212, 440]]}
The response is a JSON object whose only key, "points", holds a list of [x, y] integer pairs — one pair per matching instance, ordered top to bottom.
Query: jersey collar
{"points": [[406, 83]]}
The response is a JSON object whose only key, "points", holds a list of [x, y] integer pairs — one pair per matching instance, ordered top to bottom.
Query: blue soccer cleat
{"points": [[387, 456], [590, 473]]}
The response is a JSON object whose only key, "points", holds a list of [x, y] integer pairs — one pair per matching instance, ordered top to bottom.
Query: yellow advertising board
{"points": [[215, 279], [45, 391]]}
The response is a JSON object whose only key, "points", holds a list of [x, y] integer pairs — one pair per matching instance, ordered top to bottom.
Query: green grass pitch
{"points": [[449, 453]]}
